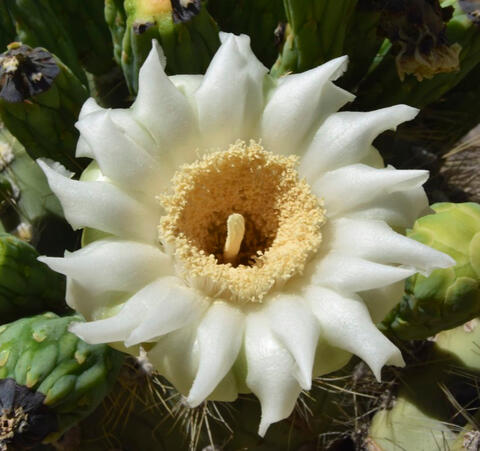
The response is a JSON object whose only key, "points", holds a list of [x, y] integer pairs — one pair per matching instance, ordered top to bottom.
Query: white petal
{"points": [[188, 84], [230, 99], [299, 104], [90, 106], [164, 111], [346, 137], [83, 147], [119, 156], [349, 187], [103, 206], [400, 209], [376, 241], [113, 265], [352, 274], [381, 300], [166, 303], [92, 305], [169, 305], [346, 324], [298, 330], [220, 335], [175, 356], [270, 372]]}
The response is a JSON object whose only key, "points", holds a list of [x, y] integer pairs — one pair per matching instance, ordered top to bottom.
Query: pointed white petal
{"points": [[230, 99], [299, 104], [90, 106], [164, 111], [346, 137], [83, 147], [119, 156], [349, 187], [104, 207], [400, 209], [376, 241], [113, 265], [352, 274], [381, 300], [169, 305], [346, 324], [298, 330], [219, 338], [175, 356], [270, 374]]}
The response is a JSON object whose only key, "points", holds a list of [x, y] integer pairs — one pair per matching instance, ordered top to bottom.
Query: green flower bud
{"points": [[447, 297]]}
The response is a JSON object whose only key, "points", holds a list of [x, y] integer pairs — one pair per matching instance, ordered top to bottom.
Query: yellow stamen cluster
{"points": [[281, 221]]}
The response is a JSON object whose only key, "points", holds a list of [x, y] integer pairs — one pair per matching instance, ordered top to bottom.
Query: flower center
{"points": [[240, 223]]}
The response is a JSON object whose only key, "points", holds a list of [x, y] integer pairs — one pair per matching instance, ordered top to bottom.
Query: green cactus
{"points": [[116, 19], [262, 20], [85, 24], [37, 25], [7, 27], [315, 33], [188, 36], [361, 52], [384, 87], [40, 100], [25, 195], [27, 286], [448, 297], [47, 371], [435, 397]]}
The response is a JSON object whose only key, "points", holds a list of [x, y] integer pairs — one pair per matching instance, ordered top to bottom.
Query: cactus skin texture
{"points": [[116, 19], [85, 23], [37, 25], [315, 33], [188, 41], [40, 100], [27, 198], [27, 286], [448, 297], [40, 354], [427, 413]]}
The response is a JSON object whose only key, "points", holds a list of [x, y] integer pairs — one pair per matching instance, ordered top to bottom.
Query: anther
{"points": [[235, 234]]}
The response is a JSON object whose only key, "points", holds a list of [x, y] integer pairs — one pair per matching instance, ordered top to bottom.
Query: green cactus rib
{"points": [[116, 19], [262, 20], [38, 26], [7, 27], [88, 31], [315, 33], [188, 46], [361, 52], [383, 87], [44, 121], [25, 196], [27, 286], [447, 297], [41, 354], [426, 414]]}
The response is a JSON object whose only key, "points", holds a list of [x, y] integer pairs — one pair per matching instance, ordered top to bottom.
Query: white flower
{"points": [[247, 237]]}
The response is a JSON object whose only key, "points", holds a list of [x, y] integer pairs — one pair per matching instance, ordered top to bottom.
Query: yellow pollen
{"points": [[240, 223]]}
